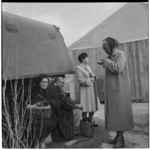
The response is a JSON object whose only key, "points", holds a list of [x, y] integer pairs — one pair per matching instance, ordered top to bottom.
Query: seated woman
{"points": [[77, 108], [66, 115], [41, 128]]}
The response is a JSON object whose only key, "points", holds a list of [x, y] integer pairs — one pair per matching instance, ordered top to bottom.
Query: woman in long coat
{"points": [[86, 78], [118, 106]]}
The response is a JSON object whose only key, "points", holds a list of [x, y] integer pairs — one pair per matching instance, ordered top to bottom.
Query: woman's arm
{"points": [[115, 67], [81, 79], [54, 98]]}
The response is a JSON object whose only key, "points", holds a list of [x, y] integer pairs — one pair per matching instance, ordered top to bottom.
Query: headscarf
{"points": [[112, 43], [39, 79]]}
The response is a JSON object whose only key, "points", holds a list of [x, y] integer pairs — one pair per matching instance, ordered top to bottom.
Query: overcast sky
{"points": [[73, 19]]}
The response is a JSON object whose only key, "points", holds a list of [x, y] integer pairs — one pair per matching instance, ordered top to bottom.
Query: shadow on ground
{"points": [[100, 136]]}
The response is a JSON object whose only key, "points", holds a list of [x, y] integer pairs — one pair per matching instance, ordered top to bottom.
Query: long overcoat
{"points": [[88, 97], [118, 106]]}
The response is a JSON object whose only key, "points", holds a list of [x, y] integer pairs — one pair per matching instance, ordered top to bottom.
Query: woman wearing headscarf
{"points": [[86, 79], [118, 106], [41, 128]]}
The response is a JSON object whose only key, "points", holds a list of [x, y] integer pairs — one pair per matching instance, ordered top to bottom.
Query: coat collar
{"points": [[115, 52], [83, 66]]}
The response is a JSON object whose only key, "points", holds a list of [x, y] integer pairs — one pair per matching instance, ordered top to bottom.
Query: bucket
{"points": [[86, 129]]}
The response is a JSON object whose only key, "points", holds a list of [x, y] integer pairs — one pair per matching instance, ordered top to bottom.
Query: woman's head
{"points": [[109, 44], [83, 57], [43, 81], [60, 81]]}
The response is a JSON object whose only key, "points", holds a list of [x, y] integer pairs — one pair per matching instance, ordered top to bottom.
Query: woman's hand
{"points": [[100, 62], [92, 79], [79, 106]]}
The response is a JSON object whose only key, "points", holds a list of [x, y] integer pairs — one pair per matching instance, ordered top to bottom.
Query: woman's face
{"points": [[106, 47], [86, 60], [60, 82], [44, 83]]}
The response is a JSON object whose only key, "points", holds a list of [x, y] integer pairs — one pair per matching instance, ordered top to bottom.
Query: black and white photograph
{"points": [[74, 75]]}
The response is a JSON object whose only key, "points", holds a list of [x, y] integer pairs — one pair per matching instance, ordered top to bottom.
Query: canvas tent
{"points": [[129, 23], [130, 26], [30, 48]]}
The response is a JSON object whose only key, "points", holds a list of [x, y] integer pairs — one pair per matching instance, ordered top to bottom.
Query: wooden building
{"points": [[129, 25]]}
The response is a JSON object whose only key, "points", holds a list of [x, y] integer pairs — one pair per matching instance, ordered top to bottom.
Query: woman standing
{"points": [[86, 79], [118, 106]]}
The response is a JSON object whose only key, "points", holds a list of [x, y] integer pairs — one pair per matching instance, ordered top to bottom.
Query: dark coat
{"points": [[63, 113], [42, 127]]}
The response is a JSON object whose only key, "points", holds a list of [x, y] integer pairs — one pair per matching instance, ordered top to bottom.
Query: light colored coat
{"points": [[86, 89], [118, 106]]}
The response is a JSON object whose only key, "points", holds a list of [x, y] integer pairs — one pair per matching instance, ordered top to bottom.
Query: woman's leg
{"points": [[77, 113], [91, 114], [84, 115], [120, 140], [114, 141], [36, 142], [42, 142]]}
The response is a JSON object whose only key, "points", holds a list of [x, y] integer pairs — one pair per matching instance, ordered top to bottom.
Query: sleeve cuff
{"points": [[106, 63]]}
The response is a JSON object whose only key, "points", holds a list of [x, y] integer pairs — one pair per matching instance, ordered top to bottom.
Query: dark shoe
{"points": [[88, 119], [84, 120], [94, 124], [76, 134], [114, 141], [119, 146]]}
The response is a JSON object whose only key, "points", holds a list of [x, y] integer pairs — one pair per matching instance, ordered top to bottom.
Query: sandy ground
{"points": [[139, 136], [135, 138]]}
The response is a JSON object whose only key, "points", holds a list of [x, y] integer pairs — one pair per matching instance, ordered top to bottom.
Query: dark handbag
{"points": [[86, 129]]}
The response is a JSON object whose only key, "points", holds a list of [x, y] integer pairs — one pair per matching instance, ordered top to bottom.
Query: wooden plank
{"points": [[124, 48], [141, 51], [92, 60], [131, 66], [145, 67], [136, 71]]}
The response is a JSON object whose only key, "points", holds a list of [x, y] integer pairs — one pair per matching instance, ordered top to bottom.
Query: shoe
{"points": [[88, 119], [84, 120], [94, 124], [76, 134], [114, 141], [116, 146]]}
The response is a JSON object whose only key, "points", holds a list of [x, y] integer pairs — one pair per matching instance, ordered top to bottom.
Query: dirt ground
{"points": [[135, 138]]}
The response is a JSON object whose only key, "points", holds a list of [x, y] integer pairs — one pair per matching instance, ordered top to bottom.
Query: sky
{"points": [[73, 19]]}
